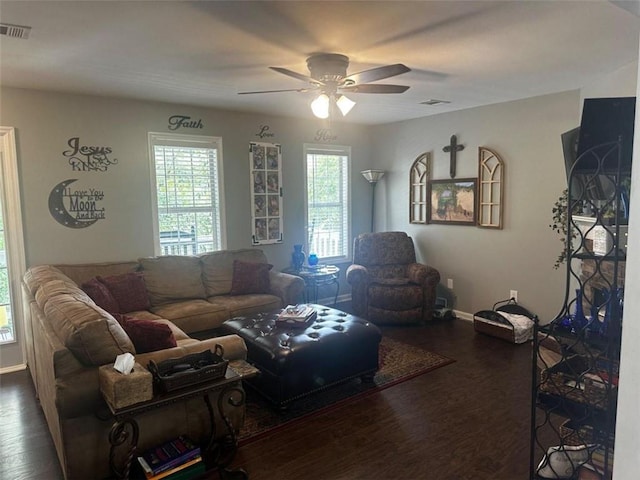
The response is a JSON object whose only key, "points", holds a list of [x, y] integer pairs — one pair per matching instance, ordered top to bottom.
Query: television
{"points": [[605, 120], [584, 186]]}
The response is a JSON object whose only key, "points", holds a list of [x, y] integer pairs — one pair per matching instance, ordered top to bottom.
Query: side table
{"points": [[315, 277], [125, 427]]}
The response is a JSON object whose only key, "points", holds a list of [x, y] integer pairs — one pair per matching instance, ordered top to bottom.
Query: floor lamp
{"points": [[373, 176]]}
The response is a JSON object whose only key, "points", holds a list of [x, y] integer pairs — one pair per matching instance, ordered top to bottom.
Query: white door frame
{"points": [[13, 354]]}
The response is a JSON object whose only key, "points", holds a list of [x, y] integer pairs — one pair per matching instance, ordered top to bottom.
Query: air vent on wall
{"points": [[16, 31], [433, 101]]}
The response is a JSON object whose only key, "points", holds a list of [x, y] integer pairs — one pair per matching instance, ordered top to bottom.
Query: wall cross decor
{"points": [[452, 149]]}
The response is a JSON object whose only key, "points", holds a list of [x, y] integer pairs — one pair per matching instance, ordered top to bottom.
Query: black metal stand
{"points": [[218, 453]]}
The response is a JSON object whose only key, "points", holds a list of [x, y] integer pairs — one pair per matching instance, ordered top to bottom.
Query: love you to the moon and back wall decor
{"points": [[76, 205]]}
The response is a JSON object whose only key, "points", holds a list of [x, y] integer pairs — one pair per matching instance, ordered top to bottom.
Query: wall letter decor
{"points": [[96, 159], [265, 165], [490, 177], [418, 178], [75, 208]]}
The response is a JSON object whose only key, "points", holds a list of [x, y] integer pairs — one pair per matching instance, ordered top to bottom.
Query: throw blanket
{"points": [[522, 325]]}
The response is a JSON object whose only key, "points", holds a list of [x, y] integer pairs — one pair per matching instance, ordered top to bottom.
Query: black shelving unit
{"points": [[576, 356]]}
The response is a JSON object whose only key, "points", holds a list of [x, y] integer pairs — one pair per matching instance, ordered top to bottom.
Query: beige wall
{"points": [[45, 121], [485, 264]]}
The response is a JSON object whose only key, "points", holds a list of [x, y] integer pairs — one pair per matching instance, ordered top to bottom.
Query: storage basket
{"points": [[496, 324], [192, 369], [567, 380], [575, 434]]}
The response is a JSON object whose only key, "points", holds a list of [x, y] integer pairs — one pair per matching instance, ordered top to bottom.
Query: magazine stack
{"points": [[299, 315], [177, 459]]}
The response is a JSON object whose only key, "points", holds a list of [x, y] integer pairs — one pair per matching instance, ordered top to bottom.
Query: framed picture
{"points": [[265, 163], [453, 201]]}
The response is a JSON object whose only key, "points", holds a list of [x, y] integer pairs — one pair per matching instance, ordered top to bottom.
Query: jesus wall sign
{"points": [[453, 202]]}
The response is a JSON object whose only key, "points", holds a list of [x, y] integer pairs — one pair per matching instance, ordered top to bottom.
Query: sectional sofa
{"points": [[71, 332]]}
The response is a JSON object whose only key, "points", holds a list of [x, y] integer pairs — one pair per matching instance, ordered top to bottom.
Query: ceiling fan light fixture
{"points": [[345, 104], [320, 106]]}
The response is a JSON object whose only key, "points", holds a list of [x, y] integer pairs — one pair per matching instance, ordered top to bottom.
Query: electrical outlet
{"points": [[450, 283], [514, 294]]}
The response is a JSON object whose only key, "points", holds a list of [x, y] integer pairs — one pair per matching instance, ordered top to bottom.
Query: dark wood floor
{"points": [[468, 420]]}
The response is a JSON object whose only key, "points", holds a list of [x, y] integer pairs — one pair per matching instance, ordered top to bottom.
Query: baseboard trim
{"points": [[464, 315], [13, 368]]}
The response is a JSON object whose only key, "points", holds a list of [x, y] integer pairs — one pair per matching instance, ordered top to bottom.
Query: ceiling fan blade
{"points": [[378, 73], [299, 76], [374, 88], [300, 90]]}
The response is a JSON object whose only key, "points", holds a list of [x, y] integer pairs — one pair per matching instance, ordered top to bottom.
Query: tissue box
{"points": [[121, 390]]}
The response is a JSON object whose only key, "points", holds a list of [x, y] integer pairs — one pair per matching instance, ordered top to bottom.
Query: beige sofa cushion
{"points": [[217, 268], [83, 272], [40, 274], [172, 278], [54, 288], [193, 315], [93, 335]]}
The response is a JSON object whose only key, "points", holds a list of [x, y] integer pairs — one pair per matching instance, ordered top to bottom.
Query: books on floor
{"points": [[297, 315], [176, 459]]}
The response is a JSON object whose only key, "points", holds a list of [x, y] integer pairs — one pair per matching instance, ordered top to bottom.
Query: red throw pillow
{"points": [[250, 277], [129, 291], [100, 294], [147, 335]]}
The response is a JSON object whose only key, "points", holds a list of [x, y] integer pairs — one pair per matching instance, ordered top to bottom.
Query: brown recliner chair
{"points": [[387, 285]]}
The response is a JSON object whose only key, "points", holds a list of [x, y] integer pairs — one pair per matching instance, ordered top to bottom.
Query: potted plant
{"points": [[560, 220]]}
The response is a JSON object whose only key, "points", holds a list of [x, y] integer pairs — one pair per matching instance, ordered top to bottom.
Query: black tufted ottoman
{"points": [[296, 361]]}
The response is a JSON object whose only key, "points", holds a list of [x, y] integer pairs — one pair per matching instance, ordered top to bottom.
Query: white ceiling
{"points": [[470, 53]]}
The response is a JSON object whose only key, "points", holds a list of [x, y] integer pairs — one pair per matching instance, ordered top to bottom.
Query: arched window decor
{"points": [[418, 179], [491, 183]]}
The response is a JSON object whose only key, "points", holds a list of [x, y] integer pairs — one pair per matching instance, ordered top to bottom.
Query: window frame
{"points": [[193, 141], [343, 150], [14, 238]]}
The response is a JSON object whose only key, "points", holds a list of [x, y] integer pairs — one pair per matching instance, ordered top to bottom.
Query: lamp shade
{"points": [[345, 104], [320, 106], [373, 175]]}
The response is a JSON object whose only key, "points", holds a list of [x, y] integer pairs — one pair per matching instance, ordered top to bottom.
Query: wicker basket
{"points": [[192, 369], [567, 380], [571, 435]]}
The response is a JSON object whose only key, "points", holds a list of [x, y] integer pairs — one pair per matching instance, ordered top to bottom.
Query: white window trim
{"points": [[190, 140], [338, 149], [10, 185]]}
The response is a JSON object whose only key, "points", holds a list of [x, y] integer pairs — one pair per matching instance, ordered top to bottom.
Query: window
{"points": [[187, 187], [328, 207], [12, 257]]}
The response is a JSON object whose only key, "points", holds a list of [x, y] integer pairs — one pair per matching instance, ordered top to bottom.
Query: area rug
{"points": [[398, 363]]}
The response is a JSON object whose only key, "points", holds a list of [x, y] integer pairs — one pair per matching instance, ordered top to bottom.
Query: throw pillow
{"points": [[250, 277], [129, 291], [101, 295], [147, 335]]}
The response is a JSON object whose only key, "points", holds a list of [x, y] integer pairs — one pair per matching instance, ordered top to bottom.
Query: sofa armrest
{"points": [[357, 274], [286, 286], [233, 346]]}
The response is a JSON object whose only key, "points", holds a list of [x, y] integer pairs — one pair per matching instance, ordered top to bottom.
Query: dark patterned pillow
{"points": [[250, 277], [129, 291], [100, 294], [147, 335]]}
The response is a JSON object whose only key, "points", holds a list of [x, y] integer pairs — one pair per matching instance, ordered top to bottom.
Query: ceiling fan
{"points": [[328, 76]]}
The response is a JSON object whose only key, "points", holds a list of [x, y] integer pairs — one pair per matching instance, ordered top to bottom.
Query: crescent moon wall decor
{"points": [[83, 210]]}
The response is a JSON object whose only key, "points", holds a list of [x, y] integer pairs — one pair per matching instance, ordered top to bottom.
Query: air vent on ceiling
{"points": [[16, 31], [433, 101]]}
